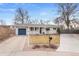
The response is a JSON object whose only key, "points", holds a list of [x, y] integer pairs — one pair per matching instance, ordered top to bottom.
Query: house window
{"points": [[32, 28], [36, 28], [54, 28], [47, 29]]}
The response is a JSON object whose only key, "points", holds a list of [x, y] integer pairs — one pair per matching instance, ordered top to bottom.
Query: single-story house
{"points": [[34, 29]]}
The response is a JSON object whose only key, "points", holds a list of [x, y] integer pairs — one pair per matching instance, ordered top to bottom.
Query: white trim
{"points": [[20, 28], [16, 31], [28, 43]]}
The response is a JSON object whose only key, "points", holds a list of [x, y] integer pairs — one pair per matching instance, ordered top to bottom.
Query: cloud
{"points": [[1, 3], [27, 4], [31, 4], [6, 10], [43, 13]]}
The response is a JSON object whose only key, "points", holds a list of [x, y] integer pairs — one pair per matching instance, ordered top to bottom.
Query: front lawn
{"points": [[44, 39]]}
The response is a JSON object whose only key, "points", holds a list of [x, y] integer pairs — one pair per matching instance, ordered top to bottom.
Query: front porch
{"points": [[35, 30]]}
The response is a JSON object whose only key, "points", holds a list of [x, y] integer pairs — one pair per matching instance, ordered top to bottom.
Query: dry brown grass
{"points": [[5, 32], [44, 39], [41, 43]]}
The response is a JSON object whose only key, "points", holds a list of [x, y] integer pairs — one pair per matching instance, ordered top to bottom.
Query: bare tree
{"points": [[66, 10], [21, 16], [58, 20], [47, 21], [2, 22], [41, 22]]}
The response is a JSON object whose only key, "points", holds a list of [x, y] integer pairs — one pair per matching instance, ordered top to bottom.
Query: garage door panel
{"points": [[21, 31]]}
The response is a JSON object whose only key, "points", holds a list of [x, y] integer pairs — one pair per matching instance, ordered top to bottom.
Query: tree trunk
{"points": [[22, 21], [67, 22]]}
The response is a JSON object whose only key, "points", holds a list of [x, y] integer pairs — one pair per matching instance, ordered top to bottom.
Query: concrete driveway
{"points": [[69, 42], [12, 44], [69, 45], [44, 53]]}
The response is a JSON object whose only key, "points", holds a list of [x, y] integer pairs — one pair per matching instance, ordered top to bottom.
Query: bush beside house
{"points": [[6, 32]]}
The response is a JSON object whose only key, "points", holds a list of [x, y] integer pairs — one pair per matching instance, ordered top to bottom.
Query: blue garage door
{"points": [[21, 31]]}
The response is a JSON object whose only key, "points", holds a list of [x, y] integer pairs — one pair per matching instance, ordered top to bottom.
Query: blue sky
{"points": [[44, 11]]}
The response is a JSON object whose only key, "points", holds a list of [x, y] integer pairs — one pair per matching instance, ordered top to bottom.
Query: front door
{"points": [[40, 30]]}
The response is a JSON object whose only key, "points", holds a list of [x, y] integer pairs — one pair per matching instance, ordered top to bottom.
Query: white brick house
{"points": [[35, 29]]}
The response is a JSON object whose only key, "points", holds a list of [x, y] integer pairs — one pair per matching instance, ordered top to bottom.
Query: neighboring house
{"points": [[73, 25], [34, 29]]}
